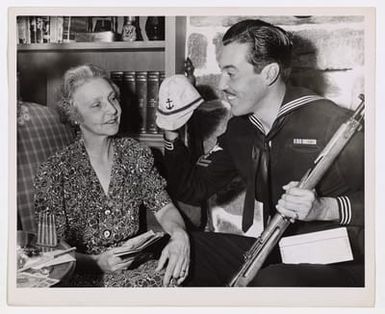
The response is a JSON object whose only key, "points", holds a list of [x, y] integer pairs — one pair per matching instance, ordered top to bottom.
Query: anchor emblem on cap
{"points": [[169, 105]]}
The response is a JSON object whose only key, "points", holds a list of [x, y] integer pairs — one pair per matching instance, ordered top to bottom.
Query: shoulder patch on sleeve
{"points": [[204, 160]]}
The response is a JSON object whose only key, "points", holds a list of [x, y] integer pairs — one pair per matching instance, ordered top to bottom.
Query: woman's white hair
{"points": [[73, 79]]}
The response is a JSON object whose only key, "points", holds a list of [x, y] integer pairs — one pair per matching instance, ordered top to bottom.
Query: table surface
{"points": [[63, 271]]}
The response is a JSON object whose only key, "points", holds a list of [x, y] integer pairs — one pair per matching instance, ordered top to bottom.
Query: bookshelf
{"points": [[110, 46], [41, 65]]}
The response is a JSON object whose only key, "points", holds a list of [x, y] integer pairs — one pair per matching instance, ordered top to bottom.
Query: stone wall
{"points": [[328, 58]]}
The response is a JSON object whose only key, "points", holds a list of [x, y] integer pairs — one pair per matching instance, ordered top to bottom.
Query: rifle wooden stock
{"points": [[265, 243]]}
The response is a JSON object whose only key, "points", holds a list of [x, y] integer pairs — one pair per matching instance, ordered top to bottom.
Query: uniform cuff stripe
{"points": [[168, 145], [345, 209]]}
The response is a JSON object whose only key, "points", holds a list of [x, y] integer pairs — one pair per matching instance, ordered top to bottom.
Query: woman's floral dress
{"points": [[87, 218]]}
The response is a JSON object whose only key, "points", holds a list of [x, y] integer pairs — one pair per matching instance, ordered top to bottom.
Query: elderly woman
{"points": [[97, 185]]}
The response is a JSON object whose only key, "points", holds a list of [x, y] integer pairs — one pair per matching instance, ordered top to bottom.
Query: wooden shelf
{"points": [[115, 45], [148, 137], [151, 140]]}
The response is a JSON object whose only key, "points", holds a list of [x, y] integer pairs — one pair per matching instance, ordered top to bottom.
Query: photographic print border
{"points": [[201, 296]]}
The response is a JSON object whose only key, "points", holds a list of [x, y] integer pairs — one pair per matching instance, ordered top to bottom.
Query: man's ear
{"points": [[271, 73]]}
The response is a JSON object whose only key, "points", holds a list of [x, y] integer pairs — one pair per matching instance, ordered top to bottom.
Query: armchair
{"points": [[40, 133]]}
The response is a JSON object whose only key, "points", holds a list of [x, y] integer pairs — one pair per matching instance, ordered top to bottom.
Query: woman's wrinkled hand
{"points": [[177, 256], [108, 262]]}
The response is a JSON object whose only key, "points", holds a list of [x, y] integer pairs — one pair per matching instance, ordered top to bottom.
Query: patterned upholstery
{"points": [[40, 133]]}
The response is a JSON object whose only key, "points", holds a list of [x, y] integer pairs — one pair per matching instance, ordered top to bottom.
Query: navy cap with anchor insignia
{"points": [[178, 99]]}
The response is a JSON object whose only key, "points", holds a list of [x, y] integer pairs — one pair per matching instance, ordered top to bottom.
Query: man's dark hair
{"points": [[268, 44]]}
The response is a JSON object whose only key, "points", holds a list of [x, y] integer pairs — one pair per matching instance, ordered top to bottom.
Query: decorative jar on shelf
{"points": [[155, 27], [129, 29]]}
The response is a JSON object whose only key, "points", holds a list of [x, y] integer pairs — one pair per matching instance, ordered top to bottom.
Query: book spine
{"points": [[114, 22], [79, 25], [89, 25], [119, 27], [66, 28], [32, 29], [39, 29], [53, 29], [60, 29], [71, 29], [18, 30], [22, 30], [28, 30], [46, 32], [162, 76], [117, 78], [129, 83], [141, 94], [152, 100], [129, 119]]}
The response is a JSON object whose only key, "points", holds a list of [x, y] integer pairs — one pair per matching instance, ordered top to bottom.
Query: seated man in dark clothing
{"points": [[274, 137]]}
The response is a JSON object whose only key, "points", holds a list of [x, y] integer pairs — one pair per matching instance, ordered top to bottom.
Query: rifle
{"points": [[257, 254]]}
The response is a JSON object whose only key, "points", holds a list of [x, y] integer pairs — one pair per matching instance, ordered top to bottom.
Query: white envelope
{"points": [[321, 247]]}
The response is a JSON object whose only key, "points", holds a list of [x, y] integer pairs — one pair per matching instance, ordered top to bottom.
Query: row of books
{"points": [[49, 29], [62, 29], [139, 92]]}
